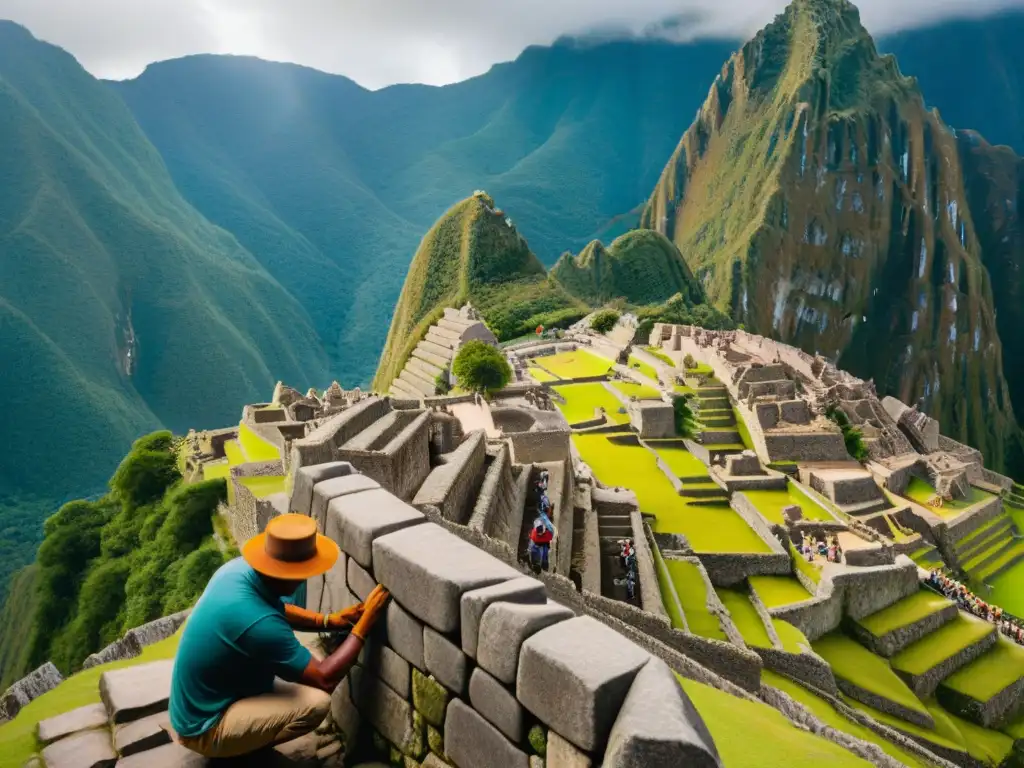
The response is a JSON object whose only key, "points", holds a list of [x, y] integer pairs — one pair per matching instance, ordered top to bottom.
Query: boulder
{"points": [[326, 491], [357, 520], [473, 604], [503, 629], [136, 692], [494, 701], [345, 715], [82, 719], [141, 735], [472, 742], [87, 749], [562, 754]]}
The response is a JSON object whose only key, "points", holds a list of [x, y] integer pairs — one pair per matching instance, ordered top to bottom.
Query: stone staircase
{"points": [[434, 354], [717, 419]]}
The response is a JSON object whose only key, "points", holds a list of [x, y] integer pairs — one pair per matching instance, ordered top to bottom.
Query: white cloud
{"points": [[388, 41]]}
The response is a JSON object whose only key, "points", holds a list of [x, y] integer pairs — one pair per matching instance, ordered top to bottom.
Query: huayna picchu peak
{"points": [[820, 202]]}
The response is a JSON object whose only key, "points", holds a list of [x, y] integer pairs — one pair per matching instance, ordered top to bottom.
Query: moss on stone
{"points": [[429, 698], [538, 739], [435, 740], [416, 746], [396, 758]]}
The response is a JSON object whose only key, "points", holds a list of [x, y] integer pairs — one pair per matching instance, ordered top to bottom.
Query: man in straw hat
{"points": [[242, 681]]}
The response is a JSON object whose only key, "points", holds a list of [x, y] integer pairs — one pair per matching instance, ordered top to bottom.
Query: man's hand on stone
{"points": [[372, 610], [346, 617]]}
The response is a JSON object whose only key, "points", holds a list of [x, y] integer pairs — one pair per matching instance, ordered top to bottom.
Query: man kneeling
{"points": [[225, 700]]}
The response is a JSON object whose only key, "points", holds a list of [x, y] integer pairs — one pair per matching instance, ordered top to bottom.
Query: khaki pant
{"points": [[248, 725]]}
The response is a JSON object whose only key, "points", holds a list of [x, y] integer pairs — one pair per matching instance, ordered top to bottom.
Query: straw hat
{"points": [[291, 548]]}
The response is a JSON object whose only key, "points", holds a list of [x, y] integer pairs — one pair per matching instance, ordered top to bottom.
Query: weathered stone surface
{"points": [[307, 478], [327, 490], [356, 521], [428, 570], [360, 583], [329, 593], [473, 604], [503, 629], [404, 634], [445, 661], [389, 666], [574, 676], [35, 683], [136, 692], [429, 697], [494, 701], [385, 710], [345, 715], [81, 719], [658, 725], [140, 735], [435, 740], [472, 742], [88, 749], [562, 754], [168, 756], [433, 761], [536, 762]]}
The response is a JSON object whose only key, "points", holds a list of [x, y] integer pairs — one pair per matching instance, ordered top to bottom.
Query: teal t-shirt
{"points": [[235, 642]]}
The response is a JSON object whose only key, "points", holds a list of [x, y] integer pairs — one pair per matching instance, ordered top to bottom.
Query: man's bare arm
{"points": [[326, 674]]}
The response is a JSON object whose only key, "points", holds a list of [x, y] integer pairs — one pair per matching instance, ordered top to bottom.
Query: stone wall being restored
{"points": [[323, 443], [450, 486], [32, 686]]}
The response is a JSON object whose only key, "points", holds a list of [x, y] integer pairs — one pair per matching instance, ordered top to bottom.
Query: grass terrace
{"points": [[658, 353], [580, 364], [641, 367], [541, 375], [681, 389], [639, 391], [581, 400], [256, 447], [234, 452], [680, 461], [617, 462], [216, 470], [262, 487], [921, 492], [771, 503], [1017, 550], [811, 570], [668, 590], [777, 591], [1006, 591], [693, 596], [905, 612], [746, 618], [793, 640], [938, 646], [853, 662], [994, 671], [945, 733], [988, 746]]}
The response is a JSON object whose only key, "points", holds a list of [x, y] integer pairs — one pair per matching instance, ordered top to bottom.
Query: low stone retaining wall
{"points": [[450, 486], [728, 569], [134, 640], [891, 643], [924, 685], [32, 686], [884, 704], [994, 713]]}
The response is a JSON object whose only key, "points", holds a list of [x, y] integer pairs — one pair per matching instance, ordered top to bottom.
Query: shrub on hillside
{"points": [[604, 321], [689, 363], [479, 367], [441, 385], [685, 422], [852, 436]]}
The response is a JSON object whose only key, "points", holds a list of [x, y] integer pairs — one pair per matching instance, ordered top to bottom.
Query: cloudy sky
{"points": [[379, 42]]}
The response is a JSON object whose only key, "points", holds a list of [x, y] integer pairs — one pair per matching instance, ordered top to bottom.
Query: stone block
{"points": [[795, 412], [743, 464], [306, 479], [327, 490], [355, 521], [428, 570], [360, 583], [322, 591], [473, 604], [503, 629], [404, 634], [445, 661], [388, 665], [574, 676], [136, 692], [429, 697], [494, 701], [389, 713], [345, 715], [81, 719], [658, 725], [141, 735], [472, 742], [86, 749], [562, 754], [168, 756], [433, 761]]}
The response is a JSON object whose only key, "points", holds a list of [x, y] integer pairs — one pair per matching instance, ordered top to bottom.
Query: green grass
{"points": [[658, 353], [580, 364], [639, 365], [541, 375], [682, 389], [639, 391], [581, 400], [741, 427], [256, 447], [236, 456], [679, 460], [216, 470], [262, 487], [921, 492], [771, 503], [709, 529], [978, 533], [986, 549], [1017, 550], [810, 570], [1006, 590], [668, 591], [777, 591], [693, 596], [904, 612], [746, 618], [793, 640], [938, 646], [852, 661], [986, 676], [828, 714], [1015, 728], [750, 734], [945, 734], [18, 737], [990, 747]]}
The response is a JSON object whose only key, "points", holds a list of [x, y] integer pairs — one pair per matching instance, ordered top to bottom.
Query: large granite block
{"points": [[307, 478], [327, 490], [355, 521], [429, 569], [360, 583], [322, 591], [473, 604], [505, 627], [404, 634], [445, 661], [388, 666], [574, 676], [136, 692], [494, 701], [386, 711], [345, 715], [81, 719], [658, 725], [140, 735], [472, 742], [87, 749], [562, 754], [168, 756]]}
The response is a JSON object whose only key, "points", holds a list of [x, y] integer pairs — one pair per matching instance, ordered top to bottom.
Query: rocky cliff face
{"points": [[822, 204]]}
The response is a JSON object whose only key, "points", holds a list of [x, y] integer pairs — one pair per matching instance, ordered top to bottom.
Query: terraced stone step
{"points": [[455, 326], [440, 329], [435, 337], [443, 352], [424, 354], [427, 369], [413, 382], [403, 391], [714, 403], [717, 422], [704, 491], [866, 507], [1001, 529], [989, 555], [1008, 558], [889, 631], [933, 658], [988, 689]]}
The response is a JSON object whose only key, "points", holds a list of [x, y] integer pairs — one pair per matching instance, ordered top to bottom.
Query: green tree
{"points": [[604, 321], [479, 367], [852, 436], [145, 474]]}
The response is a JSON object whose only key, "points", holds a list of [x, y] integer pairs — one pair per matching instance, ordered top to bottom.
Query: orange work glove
{"points": [[372, 608], [345, 617]]}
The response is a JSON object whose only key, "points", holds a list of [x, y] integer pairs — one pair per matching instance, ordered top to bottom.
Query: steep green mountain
{"points": [[331, 186], [822, 204], [473, 253], [641, 267], [121, 307]]}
